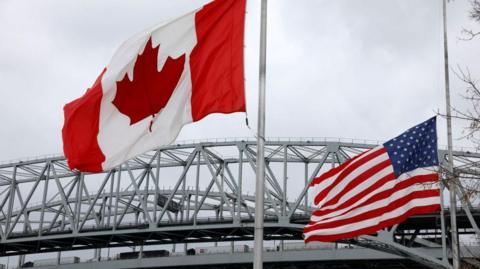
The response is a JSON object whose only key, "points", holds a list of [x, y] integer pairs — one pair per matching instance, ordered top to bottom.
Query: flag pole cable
{"points": [[260, 180], [452, 187]]}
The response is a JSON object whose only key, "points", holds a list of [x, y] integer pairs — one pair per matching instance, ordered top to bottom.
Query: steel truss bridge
{"points": [[198, 192]]}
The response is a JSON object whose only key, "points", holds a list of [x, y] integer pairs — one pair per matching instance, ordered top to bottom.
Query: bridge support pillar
{"points": [[140, 254], [97, 255], [21, 260]]}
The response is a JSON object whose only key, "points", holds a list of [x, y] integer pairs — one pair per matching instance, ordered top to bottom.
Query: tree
{"points": [[474, 15], [472, 90], [472, 114], [470, 175]]}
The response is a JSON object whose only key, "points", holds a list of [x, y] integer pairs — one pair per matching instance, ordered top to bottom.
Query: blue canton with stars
{"points": [[417, 147]]}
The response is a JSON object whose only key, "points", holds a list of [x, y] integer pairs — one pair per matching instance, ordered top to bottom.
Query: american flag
{"points": [[378, 188]]}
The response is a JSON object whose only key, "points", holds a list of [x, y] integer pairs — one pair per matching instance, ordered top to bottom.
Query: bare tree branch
{"points": [[474, 15], [469, 34]]}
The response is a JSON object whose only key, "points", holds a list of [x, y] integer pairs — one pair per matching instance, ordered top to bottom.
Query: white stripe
{"points": [[375, 149], [368, 152], [418, 172], [354, 174], [322, 185], [364, 185], [389, 185], [373, 206], [374, 221]]}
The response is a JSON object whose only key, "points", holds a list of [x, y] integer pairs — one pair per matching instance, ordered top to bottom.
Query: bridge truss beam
{"points": [[46, 207]]}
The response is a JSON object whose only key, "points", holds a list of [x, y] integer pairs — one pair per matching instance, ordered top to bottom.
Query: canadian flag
{"points": [[159, 80]]}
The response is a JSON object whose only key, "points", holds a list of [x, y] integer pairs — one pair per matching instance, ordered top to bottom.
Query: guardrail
{"points": [[248, 139]]}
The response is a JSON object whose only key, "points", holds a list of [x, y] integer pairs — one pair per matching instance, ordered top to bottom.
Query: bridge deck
{"points": [[206, 231], [321, 258]]}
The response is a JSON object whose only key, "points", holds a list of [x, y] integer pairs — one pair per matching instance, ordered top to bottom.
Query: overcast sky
{"points": [[336, 68], [364, 69]]}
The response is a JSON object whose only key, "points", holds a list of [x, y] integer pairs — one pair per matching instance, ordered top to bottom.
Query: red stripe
{"points": [[216, 62], [80, 130], [347, 171], [332, 172], [358, 180], [381, 195], [351, 201], [375, 212], [375, 228]]}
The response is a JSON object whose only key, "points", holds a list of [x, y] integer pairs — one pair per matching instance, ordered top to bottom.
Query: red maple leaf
{"points": [[150, 90]]}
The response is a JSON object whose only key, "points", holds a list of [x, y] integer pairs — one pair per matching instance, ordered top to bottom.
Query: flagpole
{"points": [[260, 182], [452, 187]]}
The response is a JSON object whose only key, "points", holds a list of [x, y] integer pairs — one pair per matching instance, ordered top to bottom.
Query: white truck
{"points": [[221, 249], [50, 262]]}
